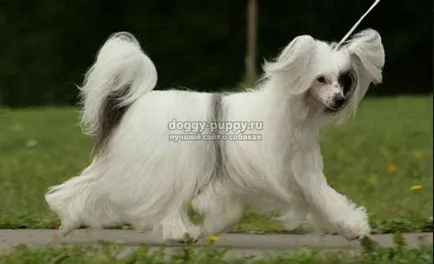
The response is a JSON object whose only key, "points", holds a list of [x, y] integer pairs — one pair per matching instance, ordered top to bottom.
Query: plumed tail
{"points": [[120, 75]]}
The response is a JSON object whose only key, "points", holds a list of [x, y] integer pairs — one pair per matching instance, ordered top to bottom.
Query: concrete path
{"points": [[10, 238], [239, 244]]}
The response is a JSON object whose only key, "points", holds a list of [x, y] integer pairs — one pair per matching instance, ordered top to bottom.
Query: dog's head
{"points": [[329, 79]]}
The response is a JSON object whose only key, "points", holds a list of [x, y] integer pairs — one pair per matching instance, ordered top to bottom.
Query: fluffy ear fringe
{"points": [[367, 48], [368, 58], [295, 60]]}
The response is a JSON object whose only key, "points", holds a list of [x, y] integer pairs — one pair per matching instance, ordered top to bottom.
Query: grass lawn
{"points": [[374, 159], [111, 253]]}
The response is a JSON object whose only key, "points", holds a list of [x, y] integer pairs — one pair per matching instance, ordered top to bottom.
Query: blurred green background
{"points": [[47, 45]]}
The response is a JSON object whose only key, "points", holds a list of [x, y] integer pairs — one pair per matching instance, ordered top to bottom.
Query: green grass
{"points": [[388, 132], [114, 253]]}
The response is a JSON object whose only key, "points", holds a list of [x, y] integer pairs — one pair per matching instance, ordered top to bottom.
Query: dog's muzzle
{"points": [[339, 103]]}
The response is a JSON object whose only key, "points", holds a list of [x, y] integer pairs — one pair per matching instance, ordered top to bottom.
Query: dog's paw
{"points": [[293, 219], [352, 223], [65, 229], [354, 230], [191, 236]]}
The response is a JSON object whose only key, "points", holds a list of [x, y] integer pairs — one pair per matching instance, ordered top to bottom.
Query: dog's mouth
{"points": [[327, 108], [333, 110]]}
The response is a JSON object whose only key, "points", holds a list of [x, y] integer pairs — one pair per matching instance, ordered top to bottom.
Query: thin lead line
{"points": [[356, 24]]}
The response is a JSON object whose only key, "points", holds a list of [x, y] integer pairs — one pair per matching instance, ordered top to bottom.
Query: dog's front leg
{"points": [[327, 206]]}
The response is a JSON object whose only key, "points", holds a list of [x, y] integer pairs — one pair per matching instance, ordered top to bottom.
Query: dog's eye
{"points": [[321, 79], [346, 82]]}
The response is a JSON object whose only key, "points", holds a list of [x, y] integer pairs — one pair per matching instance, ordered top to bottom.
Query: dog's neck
{"points": [[285, 116], [301, 117]]}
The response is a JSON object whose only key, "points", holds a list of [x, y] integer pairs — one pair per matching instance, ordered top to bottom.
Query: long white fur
{"points": [[117, 67], [147, 180]]}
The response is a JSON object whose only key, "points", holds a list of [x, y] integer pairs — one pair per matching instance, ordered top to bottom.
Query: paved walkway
{"points": [[239, 244]]}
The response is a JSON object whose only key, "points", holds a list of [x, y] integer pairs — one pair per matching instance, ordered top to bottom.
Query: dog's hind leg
{"points": [[221, 208], [295, 216], [222, 217], [176, 226]]}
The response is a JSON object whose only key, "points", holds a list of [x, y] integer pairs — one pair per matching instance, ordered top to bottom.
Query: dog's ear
{"points": [[367, 55], [294, 63]]}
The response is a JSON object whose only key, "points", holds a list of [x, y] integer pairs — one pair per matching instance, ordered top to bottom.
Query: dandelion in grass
{"points": [[417, 154], [391, 168], [372, 180], [416, 187], [212, 239]]}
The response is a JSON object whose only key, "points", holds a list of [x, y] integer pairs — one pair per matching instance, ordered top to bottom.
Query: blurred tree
{"points": [[251, 14], [48, 45]]}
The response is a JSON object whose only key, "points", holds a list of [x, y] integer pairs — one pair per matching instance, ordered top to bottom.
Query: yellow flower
{"points": [[417, 154], [391, 168], [372, 180], [416, 187], [212, 239]]}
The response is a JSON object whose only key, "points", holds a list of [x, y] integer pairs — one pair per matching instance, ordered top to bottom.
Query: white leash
{"points": [[356, 24]]}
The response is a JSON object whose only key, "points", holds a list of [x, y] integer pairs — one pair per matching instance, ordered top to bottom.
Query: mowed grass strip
{"points": [[382, 160], [112, 253]]}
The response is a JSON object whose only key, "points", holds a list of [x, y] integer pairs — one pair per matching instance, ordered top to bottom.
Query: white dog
{"points": [[140, 176]]}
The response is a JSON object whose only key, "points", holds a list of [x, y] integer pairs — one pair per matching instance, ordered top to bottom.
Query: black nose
{"points": [[339, 102]]}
